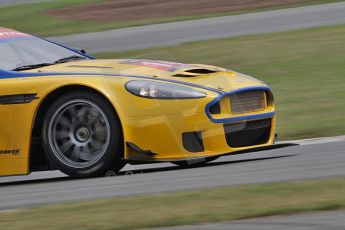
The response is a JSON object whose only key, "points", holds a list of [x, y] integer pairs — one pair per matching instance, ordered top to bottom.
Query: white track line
{"points": [[314, 141], [10, 210]]}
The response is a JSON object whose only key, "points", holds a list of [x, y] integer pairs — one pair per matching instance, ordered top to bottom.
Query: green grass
{"points": [[33, 18], [306, 70], [179, 208]]}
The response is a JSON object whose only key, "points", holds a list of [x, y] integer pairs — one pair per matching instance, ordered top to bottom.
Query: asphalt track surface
{"points": [[220, 27], [309, 161], [312, 221]]}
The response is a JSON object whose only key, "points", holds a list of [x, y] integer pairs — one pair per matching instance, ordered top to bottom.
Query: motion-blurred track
{"points": [[203, 29], [289, 163], [312, 221]]}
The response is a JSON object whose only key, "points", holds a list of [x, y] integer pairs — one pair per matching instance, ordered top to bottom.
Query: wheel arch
{"points": [[37, 158]]}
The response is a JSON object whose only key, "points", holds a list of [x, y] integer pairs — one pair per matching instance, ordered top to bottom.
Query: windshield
{"points": [[33, 51]]}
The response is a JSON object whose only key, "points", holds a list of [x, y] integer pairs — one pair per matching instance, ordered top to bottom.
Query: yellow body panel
{"points": [[152, 124]]}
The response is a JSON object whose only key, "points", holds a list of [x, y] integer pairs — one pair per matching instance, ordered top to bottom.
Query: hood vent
{"points": [[201, 71], [195, 72], [185, 75]]}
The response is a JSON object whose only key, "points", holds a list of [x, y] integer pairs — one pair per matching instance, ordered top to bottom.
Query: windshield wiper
{"points": [[67, 59], [62, 60], [28, 67]]}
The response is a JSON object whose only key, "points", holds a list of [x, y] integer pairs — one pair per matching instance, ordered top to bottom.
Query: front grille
{"points": [[247, 102], [248, 133]]}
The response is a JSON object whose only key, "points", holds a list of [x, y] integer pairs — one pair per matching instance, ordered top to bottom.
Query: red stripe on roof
{"points": [[8, 33]]}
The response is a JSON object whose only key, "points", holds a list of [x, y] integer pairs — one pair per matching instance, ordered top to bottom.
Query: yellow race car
{"points": [[62, 109]]}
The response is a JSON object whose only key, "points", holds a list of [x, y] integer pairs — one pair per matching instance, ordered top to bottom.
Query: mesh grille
{"points": [[247, 102], [249, 133]]}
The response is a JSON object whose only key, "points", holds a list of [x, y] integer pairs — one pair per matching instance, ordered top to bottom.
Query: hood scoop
{"points": [[201, 71], [195, 72]]}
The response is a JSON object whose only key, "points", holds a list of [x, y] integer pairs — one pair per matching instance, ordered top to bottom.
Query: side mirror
{"points": [[79, 50]]}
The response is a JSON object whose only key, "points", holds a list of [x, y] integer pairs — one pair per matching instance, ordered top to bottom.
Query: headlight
{"points": [[160, 90]]}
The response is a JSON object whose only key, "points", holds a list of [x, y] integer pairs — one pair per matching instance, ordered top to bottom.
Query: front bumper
{"points": [[188, 135]]}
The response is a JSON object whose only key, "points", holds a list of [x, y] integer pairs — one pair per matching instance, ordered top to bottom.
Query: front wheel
{"points": [[82, 135]]}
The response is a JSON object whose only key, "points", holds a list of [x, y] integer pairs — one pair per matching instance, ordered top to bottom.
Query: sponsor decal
{"points": [[8, 33], [161, 65], [10, 152]]}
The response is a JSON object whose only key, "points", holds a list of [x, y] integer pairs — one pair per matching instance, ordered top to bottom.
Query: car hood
{"points": [[197, 74]]}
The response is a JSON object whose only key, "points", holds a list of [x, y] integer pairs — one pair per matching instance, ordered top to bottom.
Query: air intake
{"points": [[201, 71], [195, 72], [247, 102]]}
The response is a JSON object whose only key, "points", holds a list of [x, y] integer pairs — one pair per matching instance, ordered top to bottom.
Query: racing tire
{"points": [[82, 135]]}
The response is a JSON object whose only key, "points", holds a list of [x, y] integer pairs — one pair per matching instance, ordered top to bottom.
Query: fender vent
{"points": [[17, 98]]}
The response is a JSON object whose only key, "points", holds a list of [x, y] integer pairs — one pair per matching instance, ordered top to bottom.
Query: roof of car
{"points": [[6, 33]]}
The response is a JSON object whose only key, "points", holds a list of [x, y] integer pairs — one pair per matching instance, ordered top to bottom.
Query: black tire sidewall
{"points": [[112, 159]]}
